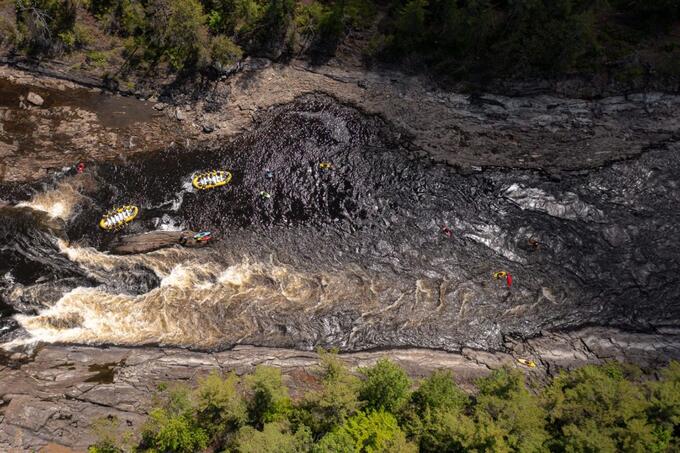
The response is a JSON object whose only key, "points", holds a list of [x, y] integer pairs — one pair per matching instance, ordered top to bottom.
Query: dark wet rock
{"points": [[208, 128], [63, 390]]}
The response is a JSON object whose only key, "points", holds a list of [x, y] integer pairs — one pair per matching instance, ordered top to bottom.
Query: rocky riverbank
{"points": [[541, 131], [53, 398]]}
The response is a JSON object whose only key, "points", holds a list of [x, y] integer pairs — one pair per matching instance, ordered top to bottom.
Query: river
{"points": [[383, 249]]}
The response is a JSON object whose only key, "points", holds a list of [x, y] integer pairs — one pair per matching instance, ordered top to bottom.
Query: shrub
{"points": [[233, 17], [9, 35], [224, 51], [97, 58], [386, 386], [172, 426], [105, 431]]}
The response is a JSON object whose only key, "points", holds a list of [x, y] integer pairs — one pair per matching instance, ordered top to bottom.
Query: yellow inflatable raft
{"points": [[211, 179], [118, 217]]}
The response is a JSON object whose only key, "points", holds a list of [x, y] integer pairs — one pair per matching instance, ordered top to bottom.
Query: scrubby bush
{"points": [[121, 17], [233, 17], [322, 26], [224, 51], [172, 426]]}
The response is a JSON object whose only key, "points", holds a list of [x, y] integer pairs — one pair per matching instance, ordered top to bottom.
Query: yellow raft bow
{"points": [[211, 179], [117, 218], [501, 274], [529, 363]]}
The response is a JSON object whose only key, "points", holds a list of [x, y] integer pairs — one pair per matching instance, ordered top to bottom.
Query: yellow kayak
{"points": [[211, 179], [118, 217], [529, 363]]}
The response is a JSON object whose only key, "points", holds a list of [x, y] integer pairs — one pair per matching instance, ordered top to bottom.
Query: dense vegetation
{"points": [[492, 38], [477, 40], [606, 408]]}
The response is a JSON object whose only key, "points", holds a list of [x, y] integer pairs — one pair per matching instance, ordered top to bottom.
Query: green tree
{"points": [[233, 17], [46, 25], [271, 31], [177, 32], [385, 387], [439, 391], [268, 397], [504, 398], [337, 399], [437, 401], [218, 405], [598, 409], [664, 410], [172, 427], [453, 431], [373, 432], [167, 433], [275, 437]]}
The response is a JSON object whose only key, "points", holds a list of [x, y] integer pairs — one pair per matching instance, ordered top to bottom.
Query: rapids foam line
{"points": [[59, 202]]}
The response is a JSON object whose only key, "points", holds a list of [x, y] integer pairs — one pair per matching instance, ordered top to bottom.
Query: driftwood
{"points": [[148, 242]]}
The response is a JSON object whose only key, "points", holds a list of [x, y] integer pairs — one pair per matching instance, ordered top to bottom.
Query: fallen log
{"points": [[154, 240]]}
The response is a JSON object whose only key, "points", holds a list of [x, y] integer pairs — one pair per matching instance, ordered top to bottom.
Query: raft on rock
{"points": [[211, 179], [117, 218], [155, 240]]}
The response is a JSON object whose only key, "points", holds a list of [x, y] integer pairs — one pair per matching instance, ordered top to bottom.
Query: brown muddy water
{"points": [[111, 111], [73, 125], [353, 256]]}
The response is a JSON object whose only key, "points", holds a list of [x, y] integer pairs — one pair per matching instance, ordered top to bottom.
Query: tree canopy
{"points": [[607, 408]]}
